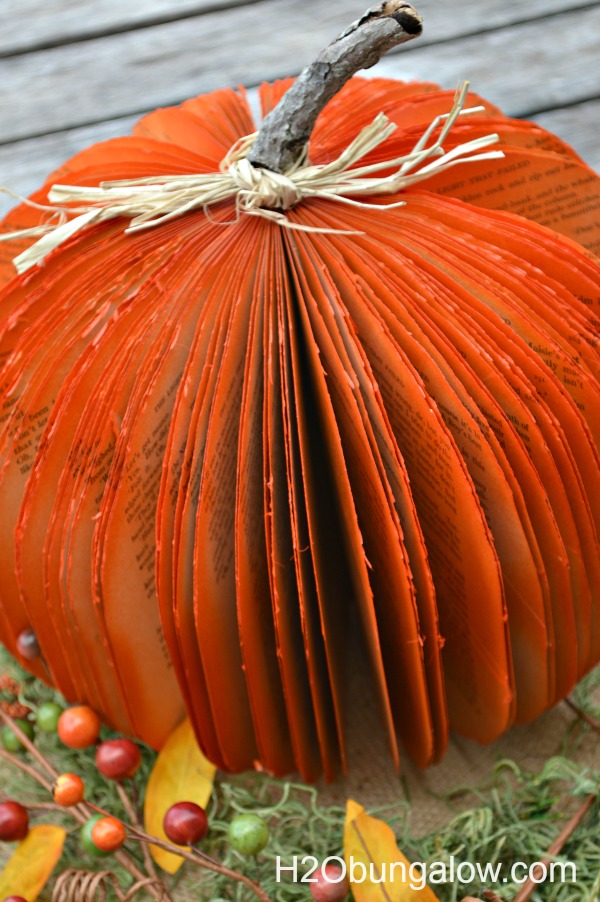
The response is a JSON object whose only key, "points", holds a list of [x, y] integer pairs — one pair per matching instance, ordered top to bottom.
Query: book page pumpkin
{"points": [[226, 438]]}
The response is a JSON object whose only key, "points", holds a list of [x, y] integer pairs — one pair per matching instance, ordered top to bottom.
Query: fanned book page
{"points": [[245, 448]]}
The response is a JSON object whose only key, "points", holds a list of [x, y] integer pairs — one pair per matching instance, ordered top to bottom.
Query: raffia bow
{"points": [[148, 202]]}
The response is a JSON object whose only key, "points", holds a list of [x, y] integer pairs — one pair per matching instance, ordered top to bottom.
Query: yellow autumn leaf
{"points": [[181, 773], [376, 867], [28, 869]]}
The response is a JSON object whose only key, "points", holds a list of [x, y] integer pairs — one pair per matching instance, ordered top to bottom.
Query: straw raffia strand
{"points": [[148, 202]]}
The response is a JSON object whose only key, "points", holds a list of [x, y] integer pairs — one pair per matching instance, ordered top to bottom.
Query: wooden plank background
{"points": [[76, 72]]}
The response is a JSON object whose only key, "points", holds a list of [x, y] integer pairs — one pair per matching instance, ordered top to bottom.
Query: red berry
{"points": [[27, 645], [78, 727], [118, 758], [68, 789], [14, 821], [185, 823], [108, 834], [331, 886], [14, 899]]}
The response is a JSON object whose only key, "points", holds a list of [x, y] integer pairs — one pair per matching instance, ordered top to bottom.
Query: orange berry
{"points": [[78, 727], [68, 789], [108, 834]]}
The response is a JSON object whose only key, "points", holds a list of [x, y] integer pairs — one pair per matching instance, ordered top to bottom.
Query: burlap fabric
{"points": [[373, 781]]}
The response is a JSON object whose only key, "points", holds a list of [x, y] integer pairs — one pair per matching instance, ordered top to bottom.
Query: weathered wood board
{"points": [[30, 24], [74, 73]]}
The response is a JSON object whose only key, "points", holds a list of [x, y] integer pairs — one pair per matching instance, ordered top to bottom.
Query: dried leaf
{"points": [[181, 773], [377, 869], [27, 871]]}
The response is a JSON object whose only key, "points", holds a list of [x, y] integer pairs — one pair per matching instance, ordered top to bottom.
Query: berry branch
{"points": [[115, 759]]}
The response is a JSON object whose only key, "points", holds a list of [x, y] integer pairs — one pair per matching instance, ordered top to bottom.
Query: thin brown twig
{"points": [[582, 715], [28, 744], [26, 768], [135, 796], [34, 805], [132, 814], [554, 849], [201, 860], [129, 864]]}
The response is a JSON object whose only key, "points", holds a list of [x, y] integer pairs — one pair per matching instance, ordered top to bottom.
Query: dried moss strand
{"points": [[555, 848]]}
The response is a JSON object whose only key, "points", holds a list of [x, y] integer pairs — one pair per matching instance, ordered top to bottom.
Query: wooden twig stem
{"points": [[285, 131], [554, 849]]}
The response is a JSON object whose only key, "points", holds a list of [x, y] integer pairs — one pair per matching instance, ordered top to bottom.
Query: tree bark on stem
{"points": [[284, 133]]}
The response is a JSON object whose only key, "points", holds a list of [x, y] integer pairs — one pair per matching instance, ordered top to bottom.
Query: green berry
{"points": [[47, 716], [10, 741], [248, 834], [86, 837]]}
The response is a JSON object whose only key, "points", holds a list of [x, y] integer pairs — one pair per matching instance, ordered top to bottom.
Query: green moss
{"points": [[514, 816]]}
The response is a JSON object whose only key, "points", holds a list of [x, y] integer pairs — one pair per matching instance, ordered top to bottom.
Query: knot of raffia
{"points": [[261, 188], [148, 202]]}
